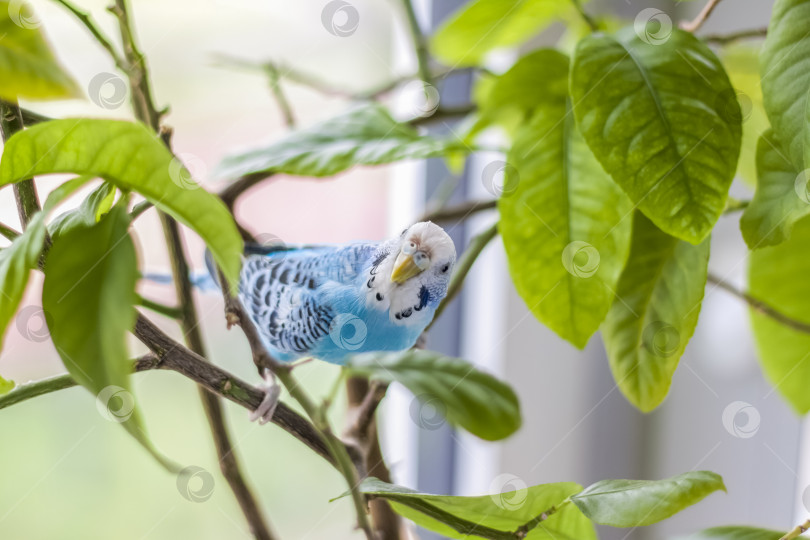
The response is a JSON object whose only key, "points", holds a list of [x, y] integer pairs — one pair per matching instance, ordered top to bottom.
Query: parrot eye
{"points": [[409, 248], [445, 268]]}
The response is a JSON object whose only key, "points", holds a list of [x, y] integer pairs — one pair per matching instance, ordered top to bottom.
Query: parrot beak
{"points": [[409, 265]]}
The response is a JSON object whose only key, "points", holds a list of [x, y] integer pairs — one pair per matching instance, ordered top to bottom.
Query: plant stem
{"points": [[585, 17], [85, 18], [697, 22], [725, 39], [419, 45], [281, 98], [145, 111], [25, 192], [733, 205], [460, 211], [8, 232], [477, 245], [760, 306], [157, 307], [795, 533]]}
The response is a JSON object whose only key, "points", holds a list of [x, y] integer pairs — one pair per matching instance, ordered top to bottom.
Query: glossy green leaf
{"points": [[483, 25], [28, 68], [785, 72], [663, 119], [363, 135], [132, 158], [781, 198], [565, 224], [22, 256], [778, 276], [89, 296], [655, 312], [6, 386], [471, 399], [636, 503], [494, 516], [736, 533]]}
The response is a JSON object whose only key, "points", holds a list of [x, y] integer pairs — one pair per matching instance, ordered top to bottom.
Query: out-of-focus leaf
{"points": [[483, 25], [784, 63], [28, 68], [663, 119], [363, 135], [132, 158], [781, 198], [565, 224], [22, 256], [778, 276], [89, 297], [655, 312], [6, 386], [471, 399], [636, 503], [490, 516], [737, 532]]}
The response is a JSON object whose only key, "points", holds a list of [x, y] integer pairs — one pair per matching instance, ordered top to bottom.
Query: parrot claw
{"points": [[272, 392]]}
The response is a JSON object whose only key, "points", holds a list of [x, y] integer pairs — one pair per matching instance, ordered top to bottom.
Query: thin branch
{"points": [[585, 17], [85, 18], [698, 21], [726, 39], [419, 44], [281, 98], [145, 110], [443, 113], [31, 118], [235, 189], [25, 192], [735, 205], [460, 211], [8, 232], [464, 264], [760, 306], [157, 307], [176, 357], [798, 531]]}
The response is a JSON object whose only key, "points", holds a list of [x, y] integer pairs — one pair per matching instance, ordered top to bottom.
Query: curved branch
{"points": [[698, 21], [725, 39], [234, 190], [460, 211], [760, 306]]}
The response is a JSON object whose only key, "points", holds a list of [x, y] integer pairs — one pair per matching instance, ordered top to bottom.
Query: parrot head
{"points": [[415, 273]]}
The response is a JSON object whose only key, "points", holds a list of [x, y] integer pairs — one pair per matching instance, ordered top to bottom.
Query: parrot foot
{"points": [[272, 393]]}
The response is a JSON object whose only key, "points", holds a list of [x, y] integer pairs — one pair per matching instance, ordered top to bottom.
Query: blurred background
{"points": [[69, 473]]}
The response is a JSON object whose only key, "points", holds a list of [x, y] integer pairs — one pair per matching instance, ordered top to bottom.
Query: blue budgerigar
{"points": [[329, 302]]}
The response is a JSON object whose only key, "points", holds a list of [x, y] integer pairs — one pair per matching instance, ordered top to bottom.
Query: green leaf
{"points": [[483, 25], [28, 68], [785, 72], [664, 121], [363, 135], [132, 158], [781, 198], [87, 213], [565, 223], [22, 256], [778, 276], [89, 295], [655, 312], [6, 386], [471, 399], [636, 503], [490, 516], [737, 532]]}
